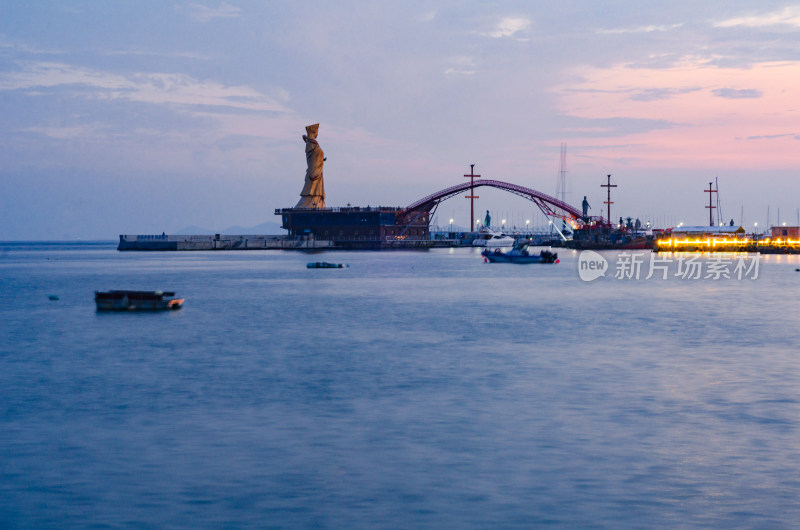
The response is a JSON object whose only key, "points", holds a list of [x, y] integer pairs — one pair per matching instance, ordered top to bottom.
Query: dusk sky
{"points": [[143, 117]]}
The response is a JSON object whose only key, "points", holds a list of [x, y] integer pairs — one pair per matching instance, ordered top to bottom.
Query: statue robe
{"points": [[313, 194]]}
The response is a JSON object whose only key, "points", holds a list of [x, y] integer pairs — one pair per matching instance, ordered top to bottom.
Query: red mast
{"points": [[472, 196], [609, 202], [711, 206]]}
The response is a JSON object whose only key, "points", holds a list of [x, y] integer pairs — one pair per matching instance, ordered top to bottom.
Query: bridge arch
{"points": [[550, 206]]}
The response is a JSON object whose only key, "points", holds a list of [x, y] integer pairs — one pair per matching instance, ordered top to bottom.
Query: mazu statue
{"points": [[313, 194]]}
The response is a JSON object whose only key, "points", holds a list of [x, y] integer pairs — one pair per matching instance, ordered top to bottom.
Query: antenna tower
{"points": [[561, 185]]}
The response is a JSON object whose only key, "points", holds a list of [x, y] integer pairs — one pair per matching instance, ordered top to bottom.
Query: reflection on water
{"points": [[411, 389]]}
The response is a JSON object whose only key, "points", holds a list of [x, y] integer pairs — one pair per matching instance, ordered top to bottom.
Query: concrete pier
{"points": [[164, 242]]}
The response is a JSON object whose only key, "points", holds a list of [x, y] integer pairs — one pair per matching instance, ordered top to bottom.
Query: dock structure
{"points": [[357, 227], [163, 242], [166, 242]]}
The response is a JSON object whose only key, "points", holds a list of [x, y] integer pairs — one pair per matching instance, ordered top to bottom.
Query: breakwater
{"points": [[165, 242]]}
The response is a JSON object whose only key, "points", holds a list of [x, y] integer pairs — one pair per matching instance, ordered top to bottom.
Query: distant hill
{"points": [[264, 228], [194, 230]]}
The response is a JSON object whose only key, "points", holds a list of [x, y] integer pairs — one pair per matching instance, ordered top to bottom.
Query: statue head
{"points": [[312, 130]]}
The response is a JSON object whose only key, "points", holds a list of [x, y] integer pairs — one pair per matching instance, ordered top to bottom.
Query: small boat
{"points": [[491, 239], [519, 254], [325, 265], [136, 300]]}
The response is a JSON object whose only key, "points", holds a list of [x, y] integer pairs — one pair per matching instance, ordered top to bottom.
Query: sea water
{"points": [[411, 389]]}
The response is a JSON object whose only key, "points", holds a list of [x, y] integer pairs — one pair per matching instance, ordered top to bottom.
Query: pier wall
{"points": [[166, 242]]}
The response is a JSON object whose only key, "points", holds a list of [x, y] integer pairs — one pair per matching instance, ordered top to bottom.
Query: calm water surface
{"points": [[413, 389]]}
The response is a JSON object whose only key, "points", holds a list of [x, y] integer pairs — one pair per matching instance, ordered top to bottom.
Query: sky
{"points": [[134, 117]]}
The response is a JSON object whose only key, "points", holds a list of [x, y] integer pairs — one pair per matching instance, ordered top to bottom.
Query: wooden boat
{"points": [[136, 300]]}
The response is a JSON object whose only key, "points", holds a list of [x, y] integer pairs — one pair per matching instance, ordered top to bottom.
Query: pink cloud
{"points": [[712, 111]]}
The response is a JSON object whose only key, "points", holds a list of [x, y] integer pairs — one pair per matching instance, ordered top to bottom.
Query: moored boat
{"points": [[491, 239], [519, 254], [325, 265], [136, 300]]}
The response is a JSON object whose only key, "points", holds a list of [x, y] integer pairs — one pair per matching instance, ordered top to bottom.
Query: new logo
{"points": [[591, 265]]}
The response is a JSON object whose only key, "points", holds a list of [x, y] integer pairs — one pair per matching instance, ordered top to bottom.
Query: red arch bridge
{"points": [[550, 206]]}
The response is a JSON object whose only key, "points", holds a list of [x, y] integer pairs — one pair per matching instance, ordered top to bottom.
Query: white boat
{"points": [[490, 239]]}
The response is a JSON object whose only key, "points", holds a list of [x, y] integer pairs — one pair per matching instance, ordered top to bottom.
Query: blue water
{"points": [[412, 389]]}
